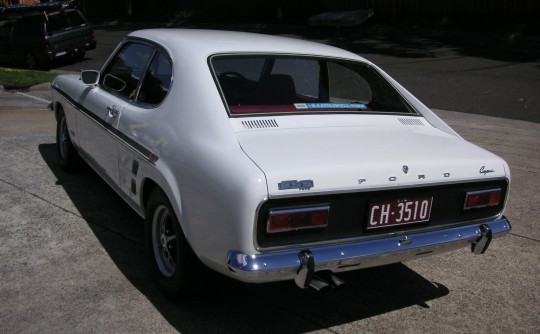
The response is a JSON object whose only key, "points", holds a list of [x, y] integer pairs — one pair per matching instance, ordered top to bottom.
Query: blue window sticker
{"points": [[360, 106]]}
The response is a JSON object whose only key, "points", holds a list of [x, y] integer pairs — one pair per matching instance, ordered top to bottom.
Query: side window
{"points": [[31, 26], [123, 74], [157, 81], [347, 85]]}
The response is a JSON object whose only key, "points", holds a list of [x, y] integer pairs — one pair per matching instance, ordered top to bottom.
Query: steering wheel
{"points": [[233, 75]]}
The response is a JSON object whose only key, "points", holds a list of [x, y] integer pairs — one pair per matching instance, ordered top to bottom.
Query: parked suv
{"points": [[36, 39]]}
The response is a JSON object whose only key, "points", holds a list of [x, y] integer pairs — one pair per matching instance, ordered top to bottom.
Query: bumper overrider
{"points": [[303, 264]]}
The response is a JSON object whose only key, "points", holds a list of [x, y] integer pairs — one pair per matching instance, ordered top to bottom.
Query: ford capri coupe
{"points": [[268, 158]]}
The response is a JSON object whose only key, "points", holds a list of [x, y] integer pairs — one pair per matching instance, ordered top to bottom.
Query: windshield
{"points": [[295, 84]]}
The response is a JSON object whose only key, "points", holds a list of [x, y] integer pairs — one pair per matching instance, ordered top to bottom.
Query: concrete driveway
{"points": [[72, 258]]}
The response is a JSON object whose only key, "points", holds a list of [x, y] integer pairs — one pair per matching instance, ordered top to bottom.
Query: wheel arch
{"points": [[57, 106], [149, 184]]}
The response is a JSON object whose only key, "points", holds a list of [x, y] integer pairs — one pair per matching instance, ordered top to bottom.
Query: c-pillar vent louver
{"points": [[410, 121], [260, 124]]}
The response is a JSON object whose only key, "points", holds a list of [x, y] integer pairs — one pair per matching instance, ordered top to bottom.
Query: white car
{"points": [[269, 158]]}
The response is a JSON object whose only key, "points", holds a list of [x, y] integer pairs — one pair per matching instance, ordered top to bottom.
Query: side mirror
{"points": [[91, 78]]}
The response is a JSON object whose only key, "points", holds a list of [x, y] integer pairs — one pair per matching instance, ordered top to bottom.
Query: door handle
{"points": [[113, 112]]}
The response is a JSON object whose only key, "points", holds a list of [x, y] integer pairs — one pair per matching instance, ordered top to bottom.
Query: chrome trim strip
{"points": [[283, 265]]}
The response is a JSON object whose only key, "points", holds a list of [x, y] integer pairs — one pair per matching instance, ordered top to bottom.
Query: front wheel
{"points": [[67, 153], [172, 261]]}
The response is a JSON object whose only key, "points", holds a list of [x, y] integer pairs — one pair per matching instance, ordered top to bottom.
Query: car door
{"points": [[103, 107], [137, 121]]}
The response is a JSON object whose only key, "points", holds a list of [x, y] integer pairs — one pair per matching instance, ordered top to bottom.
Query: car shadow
{"points": [[225, 305]]}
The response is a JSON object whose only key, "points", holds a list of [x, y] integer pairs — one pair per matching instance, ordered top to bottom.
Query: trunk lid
{"points": [[330, 159]]}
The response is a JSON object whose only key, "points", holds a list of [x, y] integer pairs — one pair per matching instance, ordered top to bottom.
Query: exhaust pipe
{"points": [[329, 278], [318, 284]]}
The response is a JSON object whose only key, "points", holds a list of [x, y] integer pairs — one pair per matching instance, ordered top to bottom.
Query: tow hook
{"points": [[482, 243]]}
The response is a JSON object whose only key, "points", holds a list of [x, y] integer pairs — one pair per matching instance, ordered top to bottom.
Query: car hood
{"points": [[315, 160]]}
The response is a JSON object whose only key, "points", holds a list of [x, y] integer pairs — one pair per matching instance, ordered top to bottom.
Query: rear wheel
{"points": [[79, 55], [31, 61], [67, 153], [172, 261]]}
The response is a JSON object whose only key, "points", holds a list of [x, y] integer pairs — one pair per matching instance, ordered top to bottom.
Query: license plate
{"points": [[61, 53], [394, 212]]}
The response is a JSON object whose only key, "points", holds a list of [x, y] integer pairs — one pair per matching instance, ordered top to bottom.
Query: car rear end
{"points": [[68, 34], [356, 176], [347, 203]]}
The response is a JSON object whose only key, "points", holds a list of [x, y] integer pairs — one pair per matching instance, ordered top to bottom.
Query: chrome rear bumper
{"points": [[285, 265]]}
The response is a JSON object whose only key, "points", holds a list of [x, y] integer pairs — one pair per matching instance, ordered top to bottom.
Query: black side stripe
{"points": [[143, 151]]}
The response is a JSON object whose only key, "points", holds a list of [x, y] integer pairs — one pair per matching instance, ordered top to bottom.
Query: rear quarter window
{"points": [[157, 80]]}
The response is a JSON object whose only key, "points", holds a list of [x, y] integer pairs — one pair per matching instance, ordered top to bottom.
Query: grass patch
{"points": [[13, 77]]}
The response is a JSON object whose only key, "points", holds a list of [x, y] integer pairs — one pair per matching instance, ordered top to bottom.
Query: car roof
{"points": [[209, 42]]}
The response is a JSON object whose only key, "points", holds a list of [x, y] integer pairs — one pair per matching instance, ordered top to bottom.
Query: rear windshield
{"points": [[64, 20], [290, 84]]}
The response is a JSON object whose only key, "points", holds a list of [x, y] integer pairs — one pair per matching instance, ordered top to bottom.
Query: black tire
{"points": [[79, 55], [31, 61], [69, 158], [173, 263]]}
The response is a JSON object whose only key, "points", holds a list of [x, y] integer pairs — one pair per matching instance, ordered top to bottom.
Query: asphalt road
{"points": [[484, 74]]}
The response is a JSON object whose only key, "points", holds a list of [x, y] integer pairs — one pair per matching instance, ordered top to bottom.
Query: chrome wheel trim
{"points": [[164, 241]]}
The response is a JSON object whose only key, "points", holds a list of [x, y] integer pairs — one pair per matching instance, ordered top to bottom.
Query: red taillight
{"points": [[47, 45], [483, 198], [297, 219]]}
